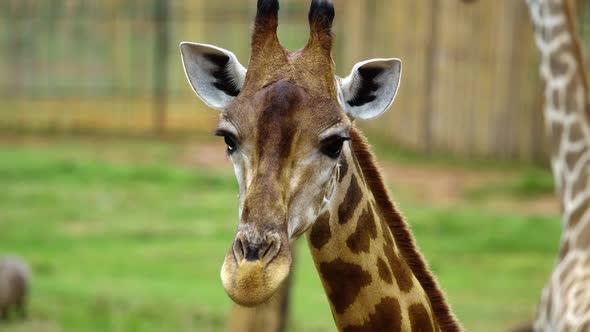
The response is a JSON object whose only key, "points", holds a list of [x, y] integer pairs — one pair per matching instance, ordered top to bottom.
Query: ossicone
{"points": [[267, 11], [321, 16], [265, 41]]}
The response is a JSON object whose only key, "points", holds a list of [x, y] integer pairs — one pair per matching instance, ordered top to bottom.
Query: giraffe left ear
{"points": [[215, 74], [370, 88]]}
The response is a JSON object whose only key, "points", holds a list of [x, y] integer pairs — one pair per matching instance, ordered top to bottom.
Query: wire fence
{"points": [[470, 85]]}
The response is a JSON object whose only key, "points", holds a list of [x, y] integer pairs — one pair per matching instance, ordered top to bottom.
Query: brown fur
{"points": [[271, 62], [282, 91], [351, 200], [320, 234], [402, 234], [360, 240], [384, 271], [402, 274], [346, 281], [14, 285], [387, 317], [419, 318]]}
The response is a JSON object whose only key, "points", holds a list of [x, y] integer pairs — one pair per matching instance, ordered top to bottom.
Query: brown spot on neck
{"points": [[343, 169], [350, 202], [577, 215], [366, 229], [320, 232], [387, 236], [583, 238], [399, 268], [384, 271], [346, 281], [386, 317], [419, 318]]}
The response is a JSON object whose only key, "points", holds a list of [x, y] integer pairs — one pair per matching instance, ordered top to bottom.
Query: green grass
{"points": [[530, 184], [121, 238]]}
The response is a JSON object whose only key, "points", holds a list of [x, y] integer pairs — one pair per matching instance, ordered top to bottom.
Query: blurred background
{"points": [[116, 193]]}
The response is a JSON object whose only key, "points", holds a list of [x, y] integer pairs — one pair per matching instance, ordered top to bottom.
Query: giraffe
{"points": [[303, 167], [565, 300], [270, 317]]}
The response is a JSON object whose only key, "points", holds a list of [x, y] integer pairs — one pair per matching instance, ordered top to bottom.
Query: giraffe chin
{"points": [[251, 283]]}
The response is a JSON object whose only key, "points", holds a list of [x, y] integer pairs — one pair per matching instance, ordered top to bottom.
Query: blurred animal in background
{"points": [[303, 167], [15, 278], [565, 301]]}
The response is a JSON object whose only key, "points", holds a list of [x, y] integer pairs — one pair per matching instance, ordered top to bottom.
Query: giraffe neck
{"points": [[567, 112], [375, 279]]}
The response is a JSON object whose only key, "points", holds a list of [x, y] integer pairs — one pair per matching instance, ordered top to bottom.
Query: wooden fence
{"points": [[470, 87]]}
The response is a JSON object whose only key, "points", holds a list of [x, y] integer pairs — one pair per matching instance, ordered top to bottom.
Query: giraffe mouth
{"points": [[252, 274]]}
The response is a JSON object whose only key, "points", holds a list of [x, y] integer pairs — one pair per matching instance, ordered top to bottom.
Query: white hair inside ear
{"points": [[215, 74], [370, 88]]}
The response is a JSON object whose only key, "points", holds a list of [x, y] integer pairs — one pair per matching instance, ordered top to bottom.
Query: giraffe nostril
{"points": [[238, 249], [266, 250], [271, 250], [263, 251], [252, 252]]}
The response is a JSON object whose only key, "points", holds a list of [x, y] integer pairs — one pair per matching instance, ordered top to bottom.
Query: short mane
{"points": [[402, 234]]}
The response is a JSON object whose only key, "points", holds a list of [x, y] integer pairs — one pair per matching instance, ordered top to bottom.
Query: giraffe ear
{"points": [[215, 74], [370, 88]]}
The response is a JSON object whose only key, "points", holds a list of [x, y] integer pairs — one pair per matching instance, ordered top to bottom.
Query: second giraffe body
{"points": [[565, 302]]}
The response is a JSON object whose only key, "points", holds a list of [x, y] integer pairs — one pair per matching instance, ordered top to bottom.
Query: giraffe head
{"points": [[285, 121]]}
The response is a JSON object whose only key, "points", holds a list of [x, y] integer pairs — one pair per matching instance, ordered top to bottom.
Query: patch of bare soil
{"points": [[17, 140], [205, 155], [450, 186]]}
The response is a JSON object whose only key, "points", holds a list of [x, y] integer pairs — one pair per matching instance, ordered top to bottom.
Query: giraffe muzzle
{"points": [[255, 267]]}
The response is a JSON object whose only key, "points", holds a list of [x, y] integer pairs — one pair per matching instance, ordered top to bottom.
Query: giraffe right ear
{"points": [[215, 74], [370, 88]]}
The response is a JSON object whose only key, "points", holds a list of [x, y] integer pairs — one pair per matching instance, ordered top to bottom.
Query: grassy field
{"points": [[123, 235]]}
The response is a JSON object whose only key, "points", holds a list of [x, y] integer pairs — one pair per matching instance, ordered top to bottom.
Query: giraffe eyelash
{"points": [[230, 140], [332, 146]]}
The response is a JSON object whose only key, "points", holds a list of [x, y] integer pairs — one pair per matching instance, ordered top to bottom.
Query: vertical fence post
{"points": [[431, 68], [160, 84]]}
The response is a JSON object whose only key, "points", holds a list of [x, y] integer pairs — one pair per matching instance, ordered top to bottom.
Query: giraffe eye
{"points": [[230, 140], [231, 143], [332, 146]]}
